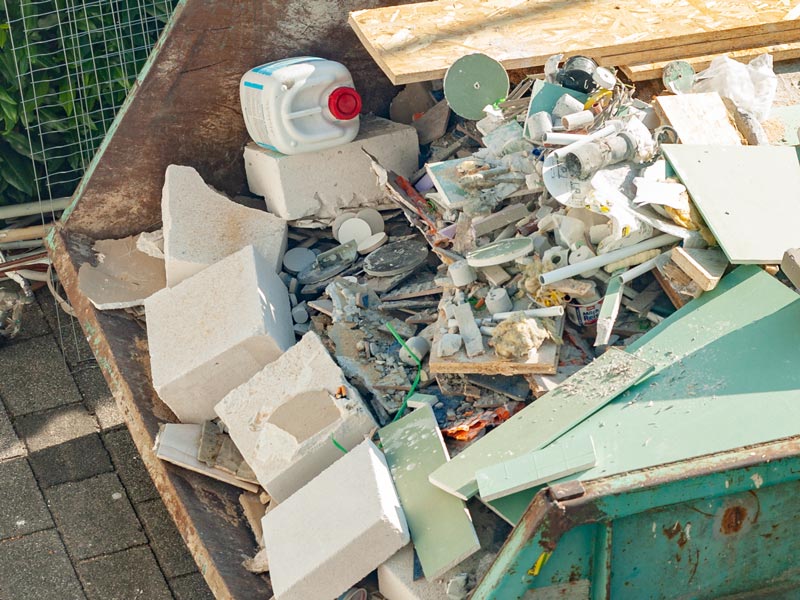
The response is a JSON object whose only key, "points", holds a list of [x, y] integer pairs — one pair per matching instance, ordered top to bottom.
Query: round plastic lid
{"points": [[344, 103]]}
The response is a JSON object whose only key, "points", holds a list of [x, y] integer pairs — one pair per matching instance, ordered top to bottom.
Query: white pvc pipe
{"points": [[610, 129], [562, 139], [34, 208], [597, 262], [638, 270], [30, 274], [551, 311]]}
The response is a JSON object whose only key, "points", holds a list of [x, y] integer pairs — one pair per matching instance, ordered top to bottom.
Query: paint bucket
{"points": [[584, 314]]}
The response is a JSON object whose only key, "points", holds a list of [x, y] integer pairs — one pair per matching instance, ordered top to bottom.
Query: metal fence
{"points": [[66, 67]]}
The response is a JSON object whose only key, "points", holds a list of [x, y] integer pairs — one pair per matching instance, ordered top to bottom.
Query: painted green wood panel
{"points": [[543, 421], [441, 528]]}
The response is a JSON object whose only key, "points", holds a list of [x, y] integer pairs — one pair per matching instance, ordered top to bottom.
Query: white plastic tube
{"points": [[610, 129], [562, 139], [604, 259], [638, 270], [550, 311]]}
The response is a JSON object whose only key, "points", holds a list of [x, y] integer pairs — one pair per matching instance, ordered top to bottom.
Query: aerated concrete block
{"points": [[322, 184], [201, 227], [214, 331], [282, 420], [335, 530]]}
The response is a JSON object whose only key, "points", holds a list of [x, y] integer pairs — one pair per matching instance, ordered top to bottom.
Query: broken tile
{"points": [[123, 277]]}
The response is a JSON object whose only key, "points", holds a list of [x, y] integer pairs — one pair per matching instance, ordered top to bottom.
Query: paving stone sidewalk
{"points": [[79, 516]]}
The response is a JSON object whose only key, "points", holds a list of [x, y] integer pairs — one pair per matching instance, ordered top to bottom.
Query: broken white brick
{"points": [[321, 184], [201, 226], [214, 331], [283, 420], [335, 530]]}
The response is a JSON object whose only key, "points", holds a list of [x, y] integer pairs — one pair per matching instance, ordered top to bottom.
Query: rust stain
{"points": [[733, 519], [671, 532], [574, 573]]}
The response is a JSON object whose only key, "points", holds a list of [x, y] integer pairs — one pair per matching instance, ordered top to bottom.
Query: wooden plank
{"points": [[418, 42], [653, 70], [698, 119], [723, 182], [705, 267], [545, 360], [545, 420], [535, 468], [440, 526]]}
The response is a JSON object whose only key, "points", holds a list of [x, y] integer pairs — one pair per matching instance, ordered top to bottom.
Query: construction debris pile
{"points": [[354, 357]]}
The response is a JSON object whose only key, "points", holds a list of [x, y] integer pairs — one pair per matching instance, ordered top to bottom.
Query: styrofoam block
{"points": [[322, 184], [201, 226], [214, 331], [282, 419], [336, 529]]}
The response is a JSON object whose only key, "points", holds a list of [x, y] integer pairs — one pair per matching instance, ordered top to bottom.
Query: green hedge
{"points": [[77, 61]]}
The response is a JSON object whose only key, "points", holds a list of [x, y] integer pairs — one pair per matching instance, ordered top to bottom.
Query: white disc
{"points": [[373, 217], [337, 223], [354, 229], [373, 242]]}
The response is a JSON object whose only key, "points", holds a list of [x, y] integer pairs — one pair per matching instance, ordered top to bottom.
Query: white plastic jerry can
{"points": [[300, 105]]}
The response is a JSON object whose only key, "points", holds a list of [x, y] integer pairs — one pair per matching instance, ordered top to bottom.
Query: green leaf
{"points": [[17, 171]]}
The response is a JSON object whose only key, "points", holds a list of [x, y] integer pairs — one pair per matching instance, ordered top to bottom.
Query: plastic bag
{"points": [[750, 87]]}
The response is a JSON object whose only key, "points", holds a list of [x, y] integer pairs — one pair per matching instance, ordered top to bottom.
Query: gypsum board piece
{"points": [[604, 259]]}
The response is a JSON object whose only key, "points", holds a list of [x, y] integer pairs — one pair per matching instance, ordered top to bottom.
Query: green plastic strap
{"points": [[414, 385]]}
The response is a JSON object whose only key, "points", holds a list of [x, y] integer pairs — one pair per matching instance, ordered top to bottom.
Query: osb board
{"points": [[418, 42], [643, 72], [698, 119], [545, 361]]}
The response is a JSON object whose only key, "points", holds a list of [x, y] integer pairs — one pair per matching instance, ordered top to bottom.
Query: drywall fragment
{"points": [[322, 184], [201, 226], [151, 243], [705, 267], [124, 276], [609, 311], [214, 331], [473, 341], [419, 400], [283, 418], [178, 444], [534, 468], [440, 526], [336, 530]]}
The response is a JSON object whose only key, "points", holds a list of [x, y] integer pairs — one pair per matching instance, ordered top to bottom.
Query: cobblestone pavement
{"points": [[79, 516]]}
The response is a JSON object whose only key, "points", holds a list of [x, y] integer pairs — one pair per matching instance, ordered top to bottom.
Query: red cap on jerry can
{"points": [[344, 103]]}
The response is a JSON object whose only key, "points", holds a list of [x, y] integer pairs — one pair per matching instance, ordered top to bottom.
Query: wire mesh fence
{"points": [[66, 67]]}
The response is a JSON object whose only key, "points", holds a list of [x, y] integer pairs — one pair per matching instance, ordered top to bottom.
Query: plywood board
{"points": [[418, 42], [653, 70], [698, 119], [746, 194], [705, 267], [540, 423], [535, 468], [441, 528]]}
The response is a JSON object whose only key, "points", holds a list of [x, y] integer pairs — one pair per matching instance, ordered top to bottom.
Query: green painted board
{"points": [[789, 118], [748, 196], [728, 340], [546, 419], [630, 434], [535, 468], [440, 526]]}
